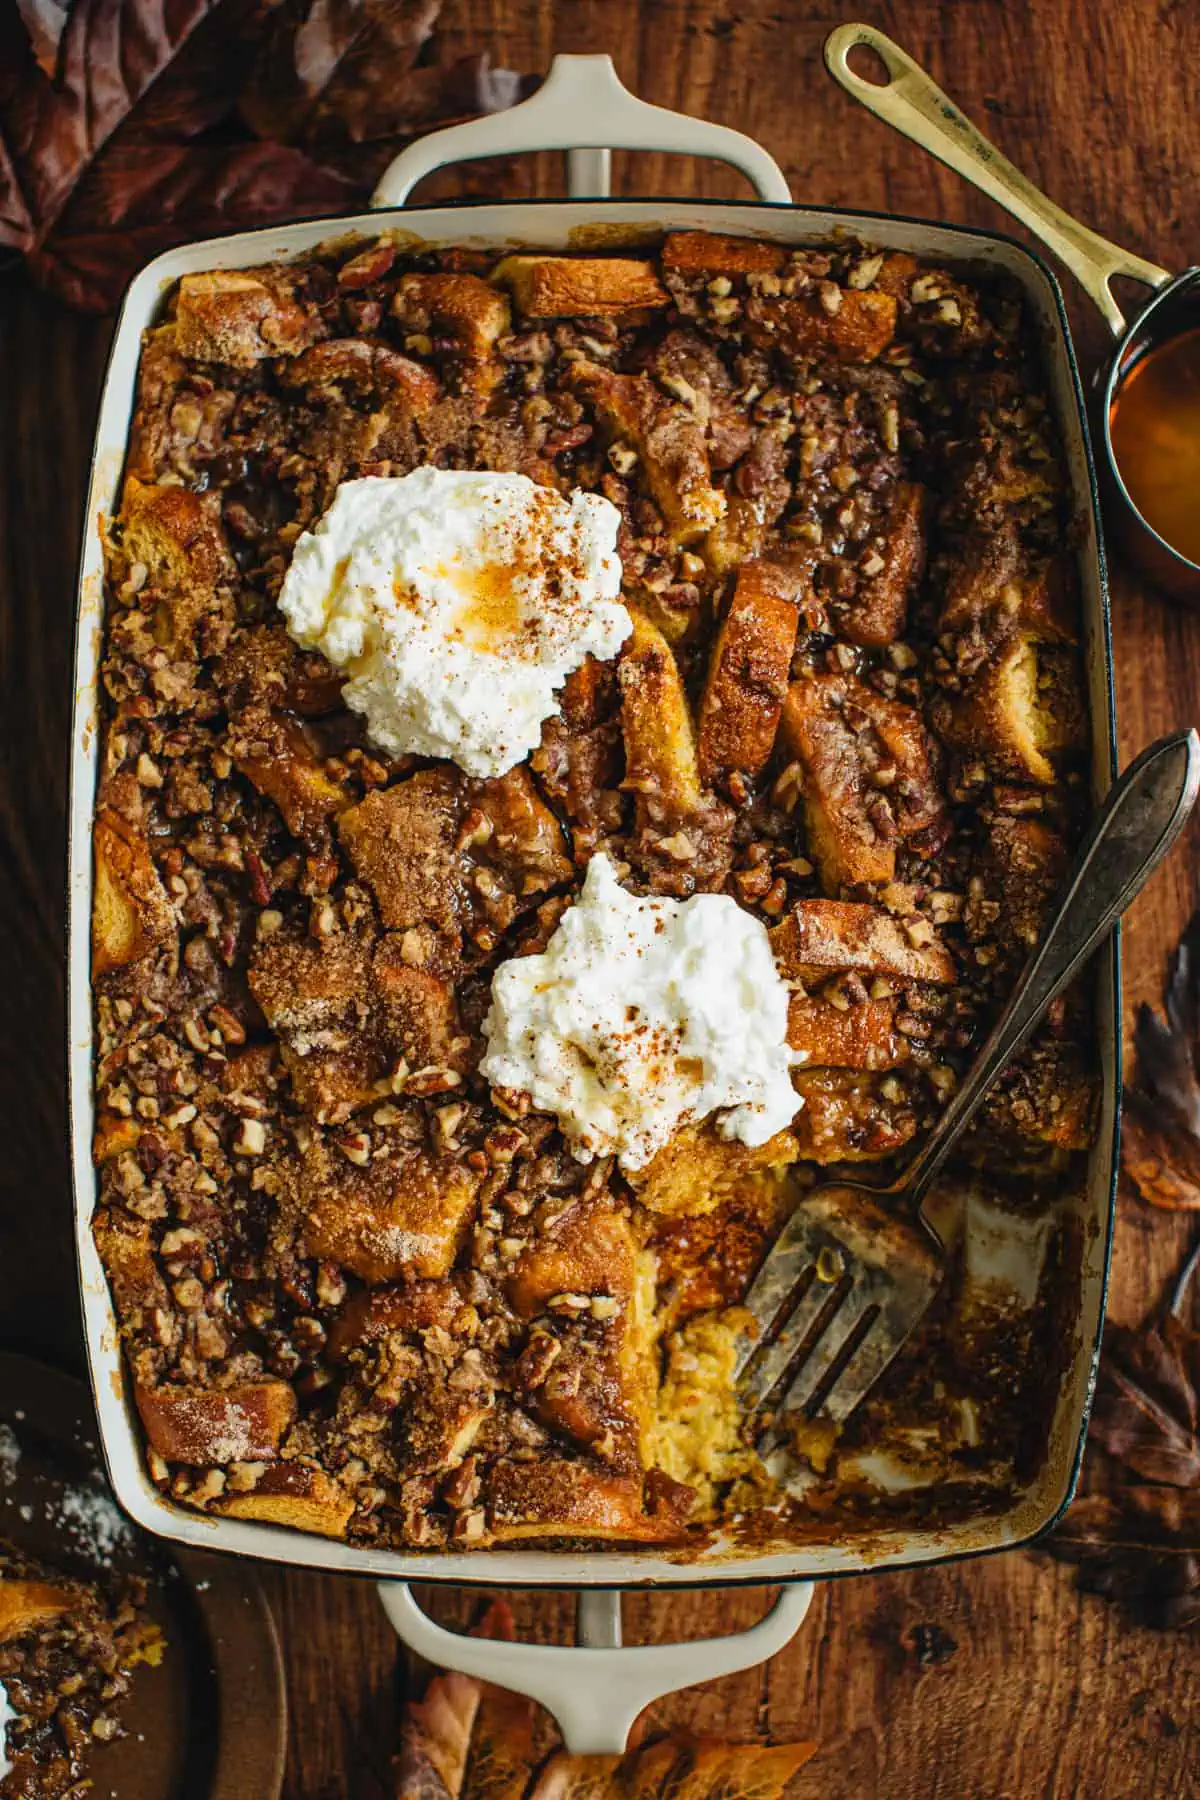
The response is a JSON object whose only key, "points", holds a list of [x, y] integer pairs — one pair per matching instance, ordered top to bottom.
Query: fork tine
{"points": [[796, 1251], [833, 1341], [875, 1351], [765, 1374]]}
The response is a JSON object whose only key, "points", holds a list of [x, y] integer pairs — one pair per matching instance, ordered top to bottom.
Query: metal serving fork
{"points": [[853, 1278]]}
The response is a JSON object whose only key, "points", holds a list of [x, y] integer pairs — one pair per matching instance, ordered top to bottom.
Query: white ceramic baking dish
{"points": [[583, 100]]}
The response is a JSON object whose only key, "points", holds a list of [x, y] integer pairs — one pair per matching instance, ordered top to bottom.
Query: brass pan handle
{"points": [[915, 105]]}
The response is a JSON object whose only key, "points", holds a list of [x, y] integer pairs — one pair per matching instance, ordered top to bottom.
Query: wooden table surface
{"points": [[1024, 1688]]}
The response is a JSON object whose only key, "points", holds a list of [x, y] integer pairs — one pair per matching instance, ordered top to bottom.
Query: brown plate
{"points": [[209, 1722]]}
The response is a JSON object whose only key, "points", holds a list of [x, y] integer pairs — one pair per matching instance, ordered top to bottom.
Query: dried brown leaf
{"points": [[44, 22], [331, 67], [52, 127], [146, 196], [1167, 1048], [1159, 1154], [1147, 1405], [1135, 1533], [1139, 1546], [688, 1768]]}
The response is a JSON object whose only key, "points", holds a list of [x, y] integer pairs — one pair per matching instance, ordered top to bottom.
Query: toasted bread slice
{"points": [[714, 253], [564, 287], [462, 307], [240, 316], [845, 324], [363, 369], [668, 438], [738, 536], [994, 586], [879, 611], [748, 672], [1023, 709], [656, 723], [273, 753], [850, 825], [1022, 866], [131, 915], [822, 937], [863, 1035], [845, 1117], [694, 1172], [399, 1213], [591, 1251], [212, 1426], [292, 1494], [24, 1605]]}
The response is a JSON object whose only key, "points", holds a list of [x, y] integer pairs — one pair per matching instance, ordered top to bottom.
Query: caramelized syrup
{"points": [[1155, 426]]}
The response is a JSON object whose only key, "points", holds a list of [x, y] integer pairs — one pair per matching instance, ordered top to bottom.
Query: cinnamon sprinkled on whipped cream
{"points": [[458, 603]]}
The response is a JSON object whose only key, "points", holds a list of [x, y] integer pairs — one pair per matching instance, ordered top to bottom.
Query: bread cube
{"points": [[715, 253], [563, 287], [462, 307], [241, 316], [668, 438], [878, 613], [748, 671], [1023, 710], [656, 723], [131, 915], [824, 937], [861, 1035], [845, 1117], [698, 1169], [398, 1212], [211, 1426], [294, 1494], [568, 1499], [24, 1605]]}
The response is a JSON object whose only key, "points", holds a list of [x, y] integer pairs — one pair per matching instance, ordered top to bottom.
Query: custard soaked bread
{"points": [[363, 1292]]}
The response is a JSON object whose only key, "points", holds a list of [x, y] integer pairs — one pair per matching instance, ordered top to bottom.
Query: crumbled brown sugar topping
{"points": [[359, 1293]]}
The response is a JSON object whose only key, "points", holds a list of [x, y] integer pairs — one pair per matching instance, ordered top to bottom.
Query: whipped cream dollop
{"points": [[458, 603], [643, 1016], [7, 1715]]}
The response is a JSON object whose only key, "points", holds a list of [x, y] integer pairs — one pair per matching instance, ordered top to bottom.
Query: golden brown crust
{"points": [[711, 253], [561, 287], [240, 316], [668, 439], [889, 571], [748, 671], [656, 723], [131, 915], [820, 936], [383, 1206], [210, 1426], [27, 1604]]}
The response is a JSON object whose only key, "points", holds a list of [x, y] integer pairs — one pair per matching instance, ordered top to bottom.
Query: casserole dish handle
{"points": [[582, 107], [596, 1689]]}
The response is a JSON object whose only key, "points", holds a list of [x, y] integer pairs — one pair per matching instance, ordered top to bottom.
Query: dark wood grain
{"points": [[993, 1680]]}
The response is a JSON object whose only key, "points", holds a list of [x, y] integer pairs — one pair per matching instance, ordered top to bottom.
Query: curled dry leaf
{"points": [[121, 131], [1160, 1140], [1135, 1534]]}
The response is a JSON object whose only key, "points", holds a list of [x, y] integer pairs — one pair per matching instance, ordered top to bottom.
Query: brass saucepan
{"points": [[916, 106]]}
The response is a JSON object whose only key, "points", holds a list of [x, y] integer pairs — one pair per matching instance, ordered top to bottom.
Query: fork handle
{"points": [[1144, 813]]}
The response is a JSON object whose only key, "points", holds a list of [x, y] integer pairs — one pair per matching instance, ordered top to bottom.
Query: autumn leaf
{"points": [[53, 126], [121, 134], [1160, 1139], [1147, 1400], [1134, 1535], [1139, 1546]]}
